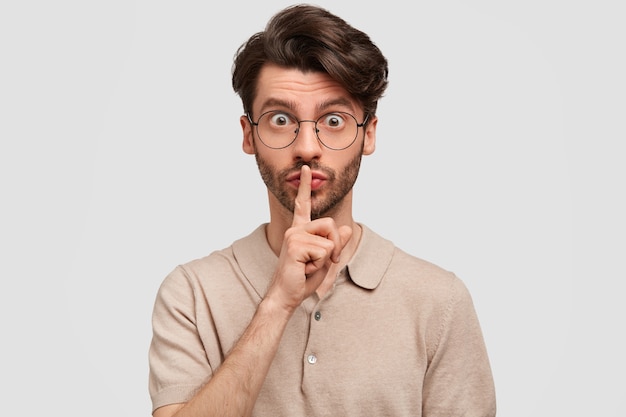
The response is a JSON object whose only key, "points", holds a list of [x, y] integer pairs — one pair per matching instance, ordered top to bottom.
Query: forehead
{"points": [[300, 91]]}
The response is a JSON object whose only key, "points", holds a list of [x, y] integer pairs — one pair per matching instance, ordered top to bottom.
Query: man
{"points": [[313, 314]]}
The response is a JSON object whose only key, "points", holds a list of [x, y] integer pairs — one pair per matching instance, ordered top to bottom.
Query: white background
{"points": [[499, 157]]}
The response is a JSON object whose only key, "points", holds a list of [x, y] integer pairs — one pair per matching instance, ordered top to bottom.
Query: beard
{"points": [[338, 185]]}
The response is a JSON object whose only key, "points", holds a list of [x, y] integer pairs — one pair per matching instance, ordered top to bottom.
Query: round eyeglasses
{"points": [[277, 129]]}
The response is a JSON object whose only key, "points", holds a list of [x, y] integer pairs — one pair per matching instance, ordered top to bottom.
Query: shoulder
{"points": [[219, 263], [243, 267], [415, 270], [410, 275], [188, 280], [425, 282]]}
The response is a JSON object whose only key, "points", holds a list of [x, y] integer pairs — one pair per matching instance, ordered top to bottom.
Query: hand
{"points": [[308, 250]]}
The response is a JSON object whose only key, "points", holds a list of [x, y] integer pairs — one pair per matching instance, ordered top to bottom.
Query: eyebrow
{"points": [[341, 101], [275, 102]]}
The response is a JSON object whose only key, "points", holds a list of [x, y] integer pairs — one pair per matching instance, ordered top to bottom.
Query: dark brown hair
{"points": [[310, 38]]}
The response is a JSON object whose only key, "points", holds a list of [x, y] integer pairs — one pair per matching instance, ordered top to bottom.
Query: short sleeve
{"points": [[177, 359], [459, 380]]}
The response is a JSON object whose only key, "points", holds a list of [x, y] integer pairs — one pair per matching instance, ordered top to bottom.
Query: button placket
{"points": [[310, 356]]}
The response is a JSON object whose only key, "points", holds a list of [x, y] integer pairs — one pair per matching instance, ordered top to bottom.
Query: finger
{"points": [[302, 207], [345, 233], [336, 237]]}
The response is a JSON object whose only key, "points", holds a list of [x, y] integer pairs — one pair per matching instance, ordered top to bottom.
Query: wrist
{"points": [[274, 307]]}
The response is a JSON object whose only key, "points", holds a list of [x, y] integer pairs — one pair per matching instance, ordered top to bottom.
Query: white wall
{"points": [[499, 157]]}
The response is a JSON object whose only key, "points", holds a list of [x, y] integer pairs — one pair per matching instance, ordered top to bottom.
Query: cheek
{"points": [[277, 159]]}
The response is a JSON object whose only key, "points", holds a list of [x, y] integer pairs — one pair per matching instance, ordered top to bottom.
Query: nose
{"points": [[307, 147]]}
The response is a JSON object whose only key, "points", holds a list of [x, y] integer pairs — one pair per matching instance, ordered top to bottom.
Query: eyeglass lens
{"points": [[277, 129]]}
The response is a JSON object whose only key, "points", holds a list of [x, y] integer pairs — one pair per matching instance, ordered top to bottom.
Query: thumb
{"points": [[345, 232]]}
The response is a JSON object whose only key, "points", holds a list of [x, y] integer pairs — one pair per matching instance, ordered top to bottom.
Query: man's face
{"points": [[307, 96]]}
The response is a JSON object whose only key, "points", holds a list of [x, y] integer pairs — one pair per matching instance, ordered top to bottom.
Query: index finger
{"points": [[302, 206]]}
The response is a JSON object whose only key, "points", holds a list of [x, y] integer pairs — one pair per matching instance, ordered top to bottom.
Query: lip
{"points": [[317, 179]]}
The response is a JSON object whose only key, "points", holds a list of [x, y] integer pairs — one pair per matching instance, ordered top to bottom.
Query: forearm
{"points": [[233, 389]]}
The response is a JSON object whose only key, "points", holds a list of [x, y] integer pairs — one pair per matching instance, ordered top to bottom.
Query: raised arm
{"points": [[308, 250]]}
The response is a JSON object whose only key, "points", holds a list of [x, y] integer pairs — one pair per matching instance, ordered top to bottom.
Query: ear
{"points": [[248, 137], [369, 144]]}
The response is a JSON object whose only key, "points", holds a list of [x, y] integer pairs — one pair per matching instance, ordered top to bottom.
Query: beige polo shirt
{"points": [[395, 336]]}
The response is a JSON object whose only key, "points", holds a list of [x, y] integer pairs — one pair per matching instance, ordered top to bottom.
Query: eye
{"points": [[281, 119], [332, 120]]}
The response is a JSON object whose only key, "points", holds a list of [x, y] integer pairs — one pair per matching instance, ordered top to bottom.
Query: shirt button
{"points": [[318, 315], [311, 359]]}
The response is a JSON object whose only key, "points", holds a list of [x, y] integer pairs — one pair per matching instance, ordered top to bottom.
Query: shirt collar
{"points": [[256, 259], [371, 259]]}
